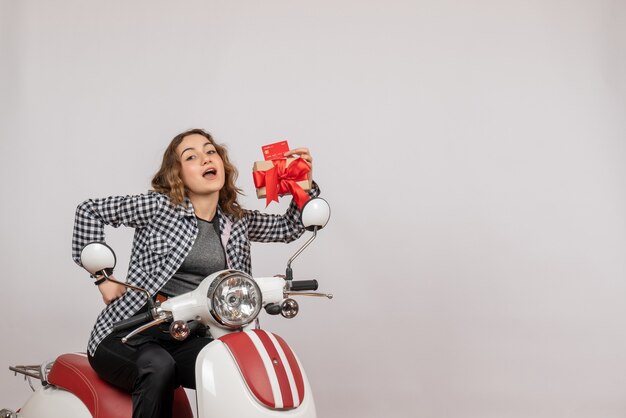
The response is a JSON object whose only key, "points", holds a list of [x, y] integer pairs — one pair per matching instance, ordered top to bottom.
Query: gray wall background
{"points": [[473, 154]]}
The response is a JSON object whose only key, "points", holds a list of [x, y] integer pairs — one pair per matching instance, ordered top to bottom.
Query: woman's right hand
{"points": [[110, 290]]}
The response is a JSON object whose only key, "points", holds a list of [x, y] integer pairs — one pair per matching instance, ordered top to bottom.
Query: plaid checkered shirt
{"points": [[164, 235]]}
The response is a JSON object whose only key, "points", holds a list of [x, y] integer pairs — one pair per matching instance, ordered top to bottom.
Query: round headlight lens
{"points": [[235, 300]]}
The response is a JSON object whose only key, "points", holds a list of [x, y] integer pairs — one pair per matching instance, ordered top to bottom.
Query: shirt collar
{"points": [[186, 209], [221, 215]]}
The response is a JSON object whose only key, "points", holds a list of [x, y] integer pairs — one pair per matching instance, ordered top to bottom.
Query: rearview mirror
{"points": [[315, 214], [98, 259]]}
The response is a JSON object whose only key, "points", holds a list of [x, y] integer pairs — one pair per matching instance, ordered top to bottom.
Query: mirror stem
{"points": [[289, 272]]}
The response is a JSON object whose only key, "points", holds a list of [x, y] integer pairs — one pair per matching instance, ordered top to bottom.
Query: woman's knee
{"points": [[156, 366]]}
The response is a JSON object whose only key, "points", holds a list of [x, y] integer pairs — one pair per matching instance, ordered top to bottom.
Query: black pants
{"points": [[150, 366]]}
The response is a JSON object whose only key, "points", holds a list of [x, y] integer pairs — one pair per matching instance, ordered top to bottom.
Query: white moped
{"points": [[245, 372]]}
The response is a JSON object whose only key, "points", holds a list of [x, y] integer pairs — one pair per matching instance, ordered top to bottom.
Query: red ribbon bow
{"points": [[282, 179]]}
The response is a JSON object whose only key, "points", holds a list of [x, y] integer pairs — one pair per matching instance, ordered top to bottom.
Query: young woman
{"points": [[190, 226]]}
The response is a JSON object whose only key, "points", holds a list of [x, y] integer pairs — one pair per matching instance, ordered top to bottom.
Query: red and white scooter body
{"points": [[252, 374], [239, 375]]}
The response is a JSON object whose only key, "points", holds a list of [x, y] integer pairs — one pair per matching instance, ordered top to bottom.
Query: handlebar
{"points": [[298, 285], [298, 288], [133, 321]]}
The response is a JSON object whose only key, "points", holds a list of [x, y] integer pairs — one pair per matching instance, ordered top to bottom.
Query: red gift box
{"points": [[280, 177]]}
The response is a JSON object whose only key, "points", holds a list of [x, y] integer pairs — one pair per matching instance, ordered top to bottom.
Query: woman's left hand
{"points": [[305, 154]]}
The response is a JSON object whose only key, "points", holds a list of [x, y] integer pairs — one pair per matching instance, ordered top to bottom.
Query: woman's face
{"points": [[202, 169]]}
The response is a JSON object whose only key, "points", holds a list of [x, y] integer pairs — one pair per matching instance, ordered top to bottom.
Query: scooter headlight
{"points": [[235, 299]]}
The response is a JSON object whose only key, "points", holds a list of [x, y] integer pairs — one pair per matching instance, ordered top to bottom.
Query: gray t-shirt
{"points": [[205, 257]]}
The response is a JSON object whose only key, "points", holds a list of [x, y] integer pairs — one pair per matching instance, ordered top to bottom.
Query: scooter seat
{"points": [[73, 373]]}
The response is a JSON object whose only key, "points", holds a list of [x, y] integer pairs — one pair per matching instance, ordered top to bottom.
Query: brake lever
{"points": [[317, 294], [163, 317]]}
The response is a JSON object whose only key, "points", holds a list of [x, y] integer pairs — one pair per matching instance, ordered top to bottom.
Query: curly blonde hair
{"points": [[167, 180]]}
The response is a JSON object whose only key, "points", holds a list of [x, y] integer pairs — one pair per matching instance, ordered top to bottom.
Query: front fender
{"points": [[252, 374]]}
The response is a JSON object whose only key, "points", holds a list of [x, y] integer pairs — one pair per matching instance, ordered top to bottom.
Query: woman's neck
{"points": [[205, 206]]}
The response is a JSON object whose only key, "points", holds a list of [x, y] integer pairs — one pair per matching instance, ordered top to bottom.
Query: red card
{"points": [[275, 151]]}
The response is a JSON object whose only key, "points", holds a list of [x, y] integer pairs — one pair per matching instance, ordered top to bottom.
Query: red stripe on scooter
{"points": [[251, 366], [279, 368], [295, 368]]}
